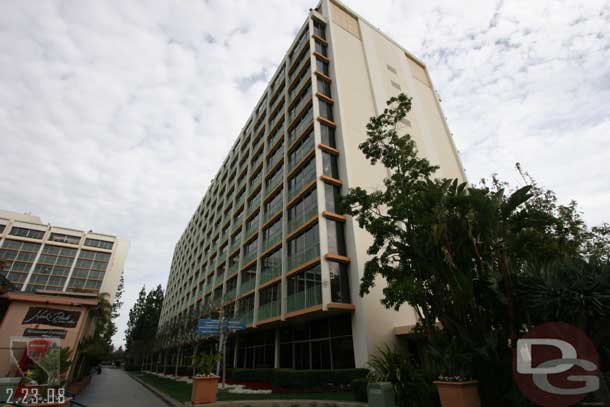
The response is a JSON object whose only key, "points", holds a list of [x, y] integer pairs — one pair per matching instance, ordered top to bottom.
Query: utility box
{"points": [[381, 394]]}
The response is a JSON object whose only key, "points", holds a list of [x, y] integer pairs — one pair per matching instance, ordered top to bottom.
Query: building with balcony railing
{"points": [[273, 249]]}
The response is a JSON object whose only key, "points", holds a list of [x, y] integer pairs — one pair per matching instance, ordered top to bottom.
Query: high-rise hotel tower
{"points": [[266, 241]]}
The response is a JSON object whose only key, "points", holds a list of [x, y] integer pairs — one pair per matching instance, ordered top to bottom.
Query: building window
{"points": [[318, 29], [299, 42], [321, 48], [322, 66], [324, 87], [299, 102], [326, 110], [303, 122], [328, 135], [301, 149], [276, 155], [330, 167], [302, 177], [275, 179], [331, 197], [273, 205], [303, 210], [238, 216], [251, 224], [2, 227], [23, 232], [272, 234], [59, 237], [336, 237], [235, 239], [99, 243], [304, 247], [250, 250], [271, 266], [53, 267], [88, 271], [220, 272], [248, 279], [339, 282], [231, 289], [304, 289], [218, 293], [269, 302], [318, 344], [256, 350]]}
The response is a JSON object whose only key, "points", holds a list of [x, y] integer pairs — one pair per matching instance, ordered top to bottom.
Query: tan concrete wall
{"points": [[363, 84], [115, 268], [372, 323]]}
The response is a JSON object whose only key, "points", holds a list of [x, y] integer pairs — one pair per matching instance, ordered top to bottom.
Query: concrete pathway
{"points": [[114, 388]]}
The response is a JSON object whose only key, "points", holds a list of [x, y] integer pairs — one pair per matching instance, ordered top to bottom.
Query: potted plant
{"points": [[205, 384], [455, 384]]}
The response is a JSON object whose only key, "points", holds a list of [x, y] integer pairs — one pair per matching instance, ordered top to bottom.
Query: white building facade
{"points": [[266, 241]]}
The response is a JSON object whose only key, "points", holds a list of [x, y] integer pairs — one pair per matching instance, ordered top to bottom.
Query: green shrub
{"points": [[250, 375], [309, 379], [302, 380], [412, 384], [359, 388]]}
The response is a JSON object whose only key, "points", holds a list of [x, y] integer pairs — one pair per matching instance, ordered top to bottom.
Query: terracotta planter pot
{"points": [[204, 389], [459, 394]]}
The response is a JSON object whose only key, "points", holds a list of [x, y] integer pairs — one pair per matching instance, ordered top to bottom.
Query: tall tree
{"points": [[454, 251], [118, 298], [142, 324]]}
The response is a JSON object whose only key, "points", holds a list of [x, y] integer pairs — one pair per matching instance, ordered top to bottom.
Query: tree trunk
{"points": [[195, 354], [178, 360]]}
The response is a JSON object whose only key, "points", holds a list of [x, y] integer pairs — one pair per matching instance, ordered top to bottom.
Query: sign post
{"points": [[231, 326], [222, 328], [220, 347]]}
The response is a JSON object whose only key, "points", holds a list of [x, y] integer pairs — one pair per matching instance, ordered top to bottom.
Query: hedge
{"points": [[250, 375], [297, 379], [359, 388]]}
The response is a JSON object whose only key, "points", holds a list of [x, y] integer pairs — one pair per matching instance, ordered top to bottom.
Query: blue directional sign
{"points": [[208, 322], [235, 325], [212, 326], [208, 327]]}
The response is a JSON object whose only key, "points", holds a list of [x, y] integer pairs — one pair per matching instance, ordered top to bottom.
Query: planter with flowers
{"points": [[205, 383], [455, 385]]}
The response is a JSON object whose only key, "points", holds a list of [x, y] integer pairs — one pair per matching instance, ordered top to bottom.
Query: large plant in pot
{"points": [[453, 360], [205, 383]]}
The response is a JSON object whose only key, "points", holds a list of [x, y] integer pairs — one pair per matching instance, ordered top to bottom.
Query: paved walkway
{"points": [[114, 388]]}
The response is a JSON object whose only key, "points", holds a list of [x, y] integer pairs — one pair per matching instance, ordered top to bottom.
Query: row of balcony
{"points": [[267, 274]]}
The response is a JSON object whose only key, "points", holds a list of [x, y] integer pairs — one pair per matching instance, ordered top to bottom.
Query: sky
{"points": [[115, 115]]}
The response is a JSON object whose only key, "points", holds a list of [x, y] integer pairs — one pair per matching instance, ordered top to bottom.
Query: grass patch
{"points": [[177, 390], [182, 391]]}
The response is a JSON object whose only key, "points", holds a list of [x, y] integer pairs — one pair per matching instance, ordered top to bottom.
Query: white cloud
{"points": [[115, 115]]}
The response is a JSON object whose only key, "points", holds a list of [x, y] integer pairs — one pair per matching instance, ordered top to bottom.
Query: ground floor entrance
{"points": [[325, 343]]}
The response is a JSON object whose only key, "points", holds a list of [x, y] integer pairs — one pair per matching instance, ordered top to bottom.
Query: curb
{"points": [[166, 399], [251, 403], [281, 403]]}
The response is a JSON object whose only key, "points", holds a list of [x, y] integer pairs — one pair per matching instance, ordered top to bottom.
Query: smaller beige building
{"points": [[39, 257], [50, 279]]}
